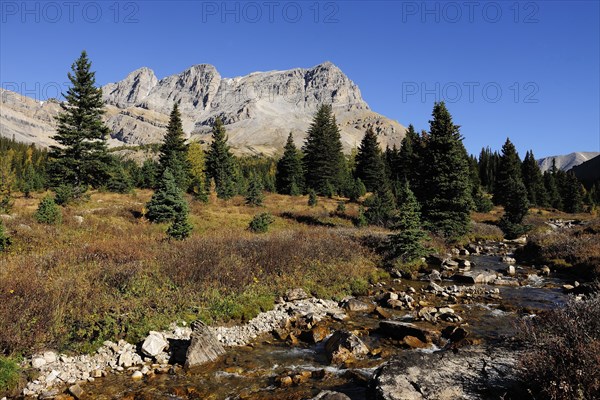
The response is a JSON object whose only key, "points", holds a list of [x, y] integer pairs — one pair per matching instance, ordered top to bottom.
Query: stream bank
{"points": [[306, 346]]}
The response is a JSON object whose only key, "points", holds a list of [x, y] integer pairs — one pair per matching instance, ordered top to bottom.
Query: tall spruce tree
{"points": [[174, 151], [390, 156], [82, 158], [324, 163], [220, 164], [370, 167], [407, 167], [509, 167], [289, 178], [533, 181], [551, 186], [573, 194], [167, 202], [446, 202], [382, 206], [515, 209], [406, 244]]}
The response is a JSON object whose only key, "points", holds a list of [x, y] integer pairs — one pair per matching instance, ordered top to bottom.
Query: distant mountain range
{"points": [[259, 110], [568, 161]]}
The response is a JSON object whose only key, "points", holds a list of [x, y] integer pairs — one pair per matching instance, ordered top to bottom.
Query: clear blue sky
{"points": [[529, 70]]}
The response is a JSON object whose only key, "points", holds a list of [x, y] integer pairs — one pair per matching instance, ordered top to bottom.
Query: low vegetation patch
{"points": [[575, 250], [74, 285], [563, 352], [9, 374]]}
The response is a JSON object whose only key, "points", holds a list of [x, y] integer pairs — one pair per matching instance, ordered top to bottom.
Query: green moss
{"points": [[9, 374]]}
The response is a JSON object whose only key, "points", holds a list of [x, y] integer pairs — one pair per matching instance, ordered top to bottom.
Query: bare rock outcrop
{"points": [[204, 346], [473, 374]]}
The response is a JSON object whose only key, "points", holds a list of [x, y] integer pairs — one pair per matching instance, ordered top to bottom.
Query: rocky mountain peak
{"points": [[128, 92], [259, 110]]}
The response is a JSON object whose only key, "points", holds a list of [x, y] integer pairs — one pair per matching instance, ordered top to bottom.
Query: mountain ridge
{"points": [[259, 109], [566, 162]]}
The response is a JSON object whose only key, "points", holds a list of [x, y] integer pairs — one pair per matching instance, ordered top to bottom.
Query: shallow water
{"points": [[249, 372]]}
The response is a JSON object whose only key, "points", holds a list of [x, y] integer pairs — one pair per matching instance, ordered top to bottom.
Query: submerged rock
{"points": [[472, 277], [355, 305], [399, 330], [204, 346], [344, 346], [329, 395]]}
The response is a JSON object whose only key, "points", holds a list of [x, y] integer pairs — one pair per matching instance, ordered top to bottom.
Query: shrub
{"points": [[66, 194], [255, 196], [312, 198], [483, 202], [341, 207], [382, 207], [48, 212], [361, 219], [260, 223], [181, 228], [512, 230], [4, 239], [359, 287], [563, 352], [9, 374]]}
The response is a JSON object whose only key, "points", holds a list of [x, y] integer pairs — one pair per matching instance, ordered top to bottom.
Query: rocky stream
{"points": [[447, 334]]}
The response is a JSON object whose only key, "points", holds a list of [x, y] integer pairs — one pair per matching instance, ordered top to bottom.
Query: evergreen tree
{"points": [[174, 151], [390, 157], [82, 158], [324, 162], [197, 163], [220, 164], [488, 164], [407, 166], [370, 167], [509, 167], [289, 173], [149, 174], [7, 181], [31, 181], [119, 181], [533, 181], [552, 188], [357, 190], [574, 194], [446, 195], [255, 196], [312, 198], [167, 203], [382, 206], [515, 209], [48, 212], [361, 219], [260, 222], [180, 228], [4, 239], [406, 245]]}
